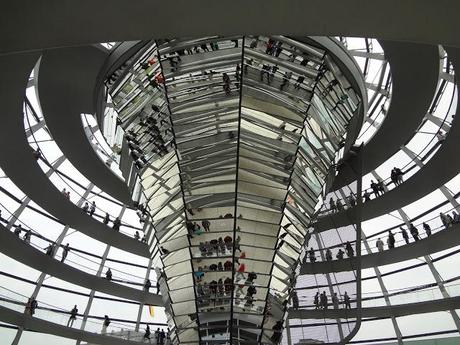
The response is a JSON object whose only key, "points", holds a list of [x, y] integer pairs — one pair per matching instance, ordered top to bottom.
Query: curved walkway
{"points": [[91, 22], [118, 59], [415, 71], [66, 87], [17, 162], [437, 171], [441, 240], [17, 249], [387, 311], [30, 323]]}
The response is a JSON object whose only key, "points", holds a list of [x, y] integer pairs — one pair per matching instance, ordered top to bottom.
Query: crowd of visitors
{"points": [[377, 188], [411, 231], [349, 250], [321, 301], [160, 335]]}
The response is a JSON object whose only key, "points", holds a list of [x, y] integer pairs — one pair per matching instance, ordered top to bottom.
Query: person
{"points": [[214, 45], [270, 46], [278, 48], [265, 71], [273, 72], [287, 76], [299, 82], [226, 86], [441, 136], [37, 154], [399, 176], [393, 177], [380, 185], [375, 188], [366, 196], [352, 200], [339, 205], [332, 206], [85, 207], [92, 209], [142, 216], [456, 217], [106, 219], [444, 220], [116, 224], [206, 225], [191, 228], [196, 229], [427, 229], [17, 230], [413, 231], [404, 234], [27, 236], [137, 236], [391, 240], [237, 242], [379, 244], [215, 246], [223, 247], [50, 249], [349, 249], [65, 251], [311, 255], [328, 255], [339, 255], [228, 265], [219, 266], [240, 271], [108, 274], [199, 274], [251, 277], [147, 285], [158, 286], [228, 286], [220, 288], [239, 289], [251, 291], [295, 300], [316, 300], [323, 300], [335, 301], [346, 301], [31, 305], [73, 316], [105, 324], [277, 331], [147, 333], [157, 336], [162, 337]]}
